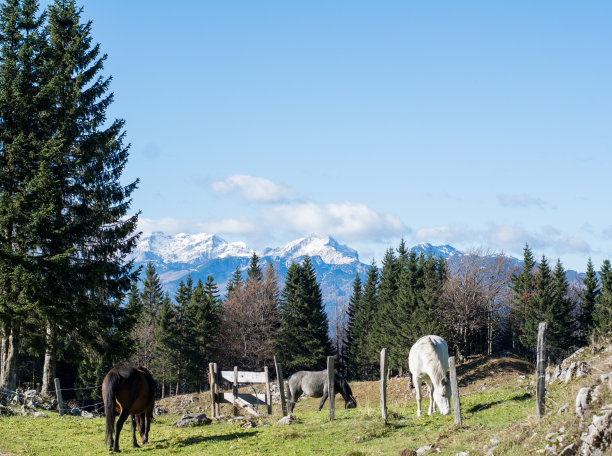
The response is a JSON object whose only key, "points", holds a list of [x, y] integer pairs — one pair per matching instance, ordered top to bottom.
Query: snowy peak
{"points": [[325, 247], [186, 248], [444, 251]]}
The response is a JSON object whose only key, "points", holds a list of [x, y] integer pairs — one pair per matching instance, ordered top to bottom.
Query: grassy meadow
{"points": [[498, 409]]}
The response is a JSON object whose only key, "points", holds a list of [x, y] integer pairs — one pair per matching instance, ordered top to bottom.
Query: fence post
{"points": [[541, 370], [216, 373], [212, 382], [383, 384], [281, 385], [235, 390], [454, 390], [332, 392], [58, 393], [268, 395]]}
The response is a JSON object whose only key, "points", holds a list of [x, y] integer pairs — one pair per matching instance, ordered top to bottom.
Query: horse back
{"points": [[429, 355], [134, 388]]}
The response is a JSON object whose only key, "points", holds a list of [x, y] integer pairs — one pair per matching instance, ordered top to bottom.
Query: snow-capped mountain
{"points": [[444, 251], [200, 255]]}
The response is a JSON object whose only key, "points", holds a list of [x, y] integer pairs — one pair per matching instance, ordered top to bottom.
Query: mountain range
{"points": [[199, 255]]}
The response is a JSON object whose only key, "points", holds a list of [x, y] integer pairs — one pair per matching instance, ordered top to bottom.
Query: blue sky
{"points": [[477, 124]]}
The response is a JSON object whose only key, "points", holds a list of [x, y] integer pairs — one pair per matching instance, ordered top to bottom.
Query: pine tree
{"points": [[22, 135], [254, 271], [235, 282], [523, 288], [152, 299], [354, 303], [587, 303], [539, 305], [602, 313], [560, 314], [203, 316], [303, 340], [165, 349], [361, 351]]}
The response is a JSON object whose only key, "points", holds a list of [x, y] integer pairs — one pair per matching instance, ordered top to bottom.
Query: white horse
{"points": [[428, 361]]}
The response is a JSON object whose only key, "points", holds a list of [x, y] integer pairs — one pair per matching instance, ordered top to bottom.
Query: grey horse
{"points": [[316, 384]]}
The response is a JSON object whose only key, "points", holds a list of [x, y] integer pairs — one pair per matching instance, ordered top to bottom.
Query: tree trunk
{"points": [[10, 343], [49, 365]]}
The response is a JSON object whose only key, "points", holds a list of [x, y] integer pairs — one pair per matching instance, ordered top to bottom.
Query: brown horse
{"points": [[128, 390]]}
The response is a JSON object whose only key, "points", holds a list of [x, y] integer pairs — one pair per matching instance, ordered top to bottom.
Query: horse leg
{"points": [[417, 387], [294, 397], [323, 399], [432, 406], [125, 412], [147, 425], [134, 442]]}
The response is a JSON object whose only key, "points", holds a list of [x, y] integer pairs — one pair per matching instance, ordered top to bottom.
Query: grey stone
{"points": [[582, 400], [86, 414], [192, 419], [286, 420], [597, 439], [424, 449]]}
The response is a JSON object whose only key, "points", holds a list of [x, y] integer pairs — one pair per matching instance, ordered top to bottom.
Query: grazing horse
{"points": [[428, 361], [316, 384], [128, 390]]}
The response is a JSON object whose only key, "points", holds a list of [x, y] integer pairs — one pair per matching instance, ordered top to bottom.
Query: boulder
{"points": [[582, 400], [192, 419], [286, 420], [597, 439]]}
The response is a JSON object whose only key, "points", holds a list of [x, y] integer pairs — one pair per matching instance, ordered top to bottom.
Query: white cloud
{"points": [[256, 189], [521, 200], [347, 220], [169, 225], [445, 234], [506, 238]]}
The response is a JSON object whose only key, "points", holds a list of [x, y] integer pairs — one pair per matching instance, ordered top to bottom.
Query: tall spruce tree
{"points": [[22, 137], [63, 195], [254, 271], [523, 287], [589, 296], [152, 298], [354, 303], [538, 306], [602, 313], [203, 316], [560, 318], [303, 340], [361, 350]]}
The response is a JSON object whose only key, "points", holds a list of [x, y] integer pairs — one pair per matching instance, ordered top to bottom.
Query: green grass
{"points": [[504, 410], [354, 432]]}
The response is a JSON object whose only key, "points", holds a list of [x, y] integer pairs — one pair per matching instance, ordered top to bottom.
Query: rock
{"points": [[605, 377], [582, 400], [563, 408], [159, 410], [75, 411], [39, 414], [86, 414], [192, 419], [286, 420], [597, 439], [494, 441], [424, 449], [569, 450], [407, 452], [462, 453]]}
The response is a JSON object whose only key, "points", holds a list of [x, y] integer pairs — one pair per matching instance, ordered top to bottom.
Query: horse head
{"points": [[347, 394], [442, 395]]}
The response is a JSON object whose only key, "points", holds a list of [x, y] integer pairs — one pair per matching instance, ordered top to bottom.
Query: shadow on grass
{"points": [[480, 368], [487, 405], [194, 440]]}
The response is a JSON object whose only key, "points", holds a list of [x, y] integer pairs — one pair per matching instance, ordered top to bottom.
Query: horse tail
{"points": [[111, 382]]}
